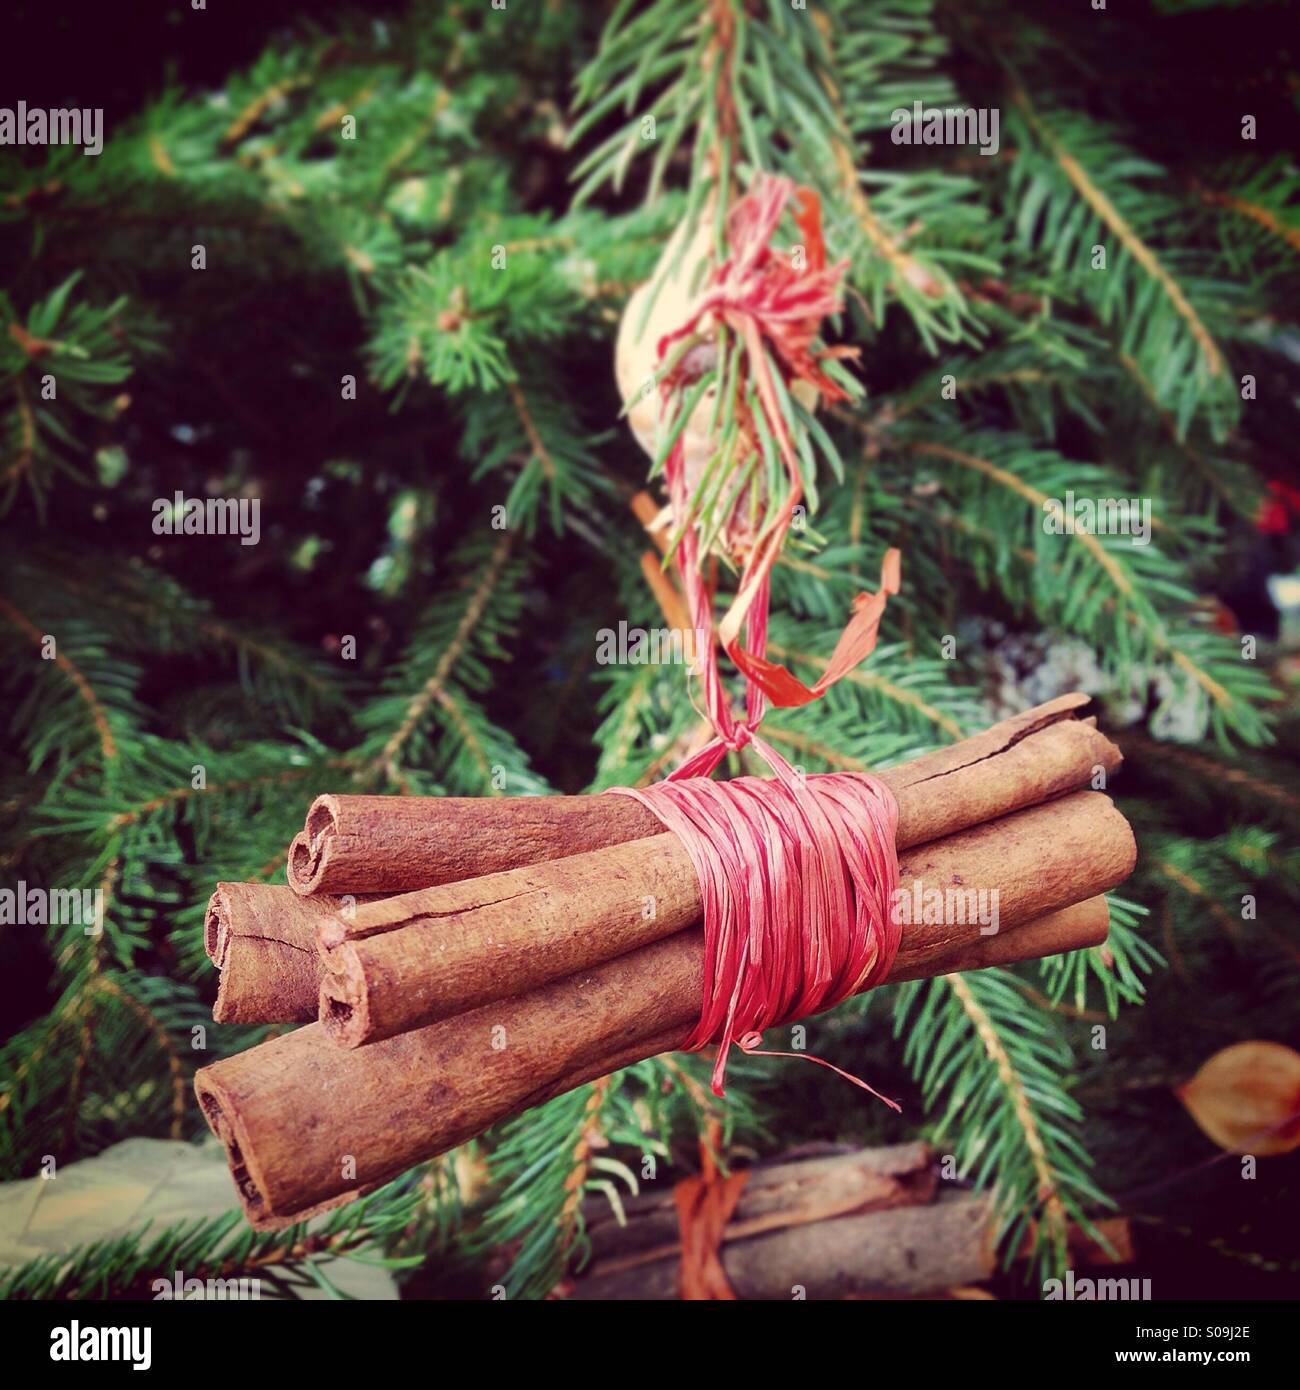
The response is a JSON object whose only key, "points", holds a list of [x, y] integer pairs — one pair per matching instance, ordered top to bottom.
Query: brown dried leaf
{"points": [[1247, 1098]]}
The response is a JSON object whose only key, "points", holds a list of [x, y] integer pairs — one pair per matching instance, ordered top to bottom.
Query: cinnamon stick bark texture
{"points": [[392, 844], [396, 844], [1073, 928], [262, 937], [422, 957], [416, 958], [293, 1111], [243, 1115], [895, 1253]]}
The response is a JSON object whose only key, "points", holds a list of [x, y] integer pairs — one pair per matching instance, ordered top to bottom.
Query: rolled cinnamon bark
{"points": [[392, 844], [397, 844], [1073, 928], [262, 938], [416, 958], [240, 1118], [306, 1123]]}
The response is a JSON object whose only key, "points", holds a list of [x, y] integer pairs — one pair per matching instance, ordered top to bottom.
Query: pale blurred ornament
{"points": [[1247, 1098]]}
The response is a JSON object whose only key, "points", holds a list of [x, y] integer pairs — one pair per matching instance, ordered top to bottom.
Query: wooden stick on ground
{"points": [[775, 1195], [898, 1252], [638, 1256]]}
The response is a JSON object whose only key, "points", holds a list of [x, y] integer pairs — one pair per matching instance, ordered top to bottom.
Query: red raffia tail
{"points": [[809, 221], [857, 641]]}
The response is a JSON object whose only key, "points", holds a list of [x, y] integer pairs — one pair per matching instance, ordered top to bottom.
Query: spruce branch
{"points": [[1266, 193], [1064, 202], [1121, 616], [71, 672], [1117, 968], [112, 1058], [1008, 1114]]}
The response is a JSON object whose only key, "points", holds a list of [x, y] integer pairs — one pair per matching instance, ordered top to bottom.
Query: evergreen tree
{"points": [[370, 279]]}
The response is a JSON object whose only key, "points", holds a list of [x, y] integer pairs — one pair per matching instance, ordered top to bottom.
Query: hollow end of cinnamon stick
{"points": [[309, 849], [299, 869], [216, 926], [262, 939], [222, 1116], [221, 1121]]}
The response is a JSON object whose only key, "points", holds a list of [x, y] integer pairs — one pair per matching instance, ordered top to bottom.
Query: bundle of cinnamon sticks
{"points": [[465, 958]]}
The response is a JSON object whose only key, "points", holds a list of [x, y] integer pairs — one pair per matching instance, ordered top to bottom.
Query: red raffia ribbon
{"points": [[760, 296], [797, 875]]}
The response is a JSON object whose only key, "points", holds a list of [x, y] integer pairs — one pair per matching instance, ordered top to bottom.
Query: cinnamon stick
{"points": [[392, 844], [396, 844], [1072, 928], [262, 938], [416, 958], [241, 1114], [306, 1123]]}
